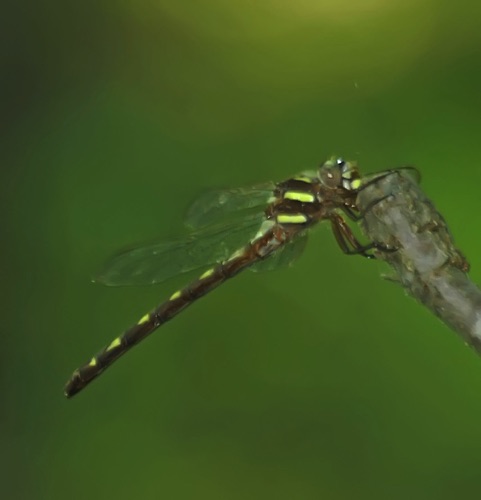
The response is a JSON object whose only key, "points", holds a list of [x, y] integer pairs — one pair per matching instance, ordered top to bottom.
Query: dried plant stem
{"points": [[398, 215]]}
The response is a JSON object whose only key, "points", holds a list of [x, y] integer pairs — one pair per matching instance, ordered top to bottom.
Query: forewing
{"points": [[224, 206], [156, 262]]}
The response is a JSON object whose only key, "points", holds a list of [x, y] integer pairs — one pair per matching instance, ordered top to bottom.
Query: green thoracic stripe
{"points": [[356, 184], [299, 196], [291, 218]]}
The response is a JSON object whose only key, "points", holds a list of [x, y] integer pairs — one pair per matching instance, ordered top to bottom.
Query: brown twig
{"points": [[426, 263]]}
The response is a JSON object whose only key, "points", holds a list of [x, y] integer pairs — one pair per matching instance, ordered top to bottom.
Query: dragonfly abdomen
{"points": [[178, 301]]}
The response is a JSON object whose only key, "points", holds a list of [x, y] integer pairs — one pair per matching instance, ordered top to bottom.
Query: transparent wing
{"points": [[227, 205], [283, 257], [156, 262]]}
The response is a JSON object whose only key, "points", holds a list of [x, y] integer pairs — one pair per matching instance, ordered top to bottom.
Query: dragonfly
{"points": [[259, 228]]}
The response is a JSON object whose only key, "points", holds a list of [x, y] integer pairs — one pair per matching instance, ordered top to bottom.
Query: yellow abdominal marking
{"points": [[298, 196], [291, 219], [238, 253], [208, 273], [175, 295], [144, 319], [115, 343], [93, 362]]}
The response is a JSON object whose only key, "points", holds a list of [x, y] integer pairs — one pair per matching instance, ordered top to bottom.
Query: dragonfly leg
{"points": [[381, 175], [371, 205], [347, 209], [356, 217], [346, 239], [348, 242]]}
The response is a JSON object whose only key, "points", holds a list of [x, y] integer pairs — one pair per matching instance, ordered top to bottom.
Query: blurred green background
{"points": [[319, 381]]}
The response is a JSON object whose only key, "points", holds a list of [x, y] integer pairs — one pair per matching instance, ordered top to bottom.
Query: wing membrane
{"points": [[227, 205], [157, 262]]}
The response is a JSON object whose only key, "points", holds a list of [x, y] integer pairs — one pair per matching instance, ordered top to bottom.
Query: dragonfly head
{"points": [[341, 174]]}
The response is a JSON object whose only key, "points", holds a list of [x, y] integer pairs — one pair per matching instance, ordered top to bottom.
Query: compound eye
{"points": [[340, 163], [330, 173]]}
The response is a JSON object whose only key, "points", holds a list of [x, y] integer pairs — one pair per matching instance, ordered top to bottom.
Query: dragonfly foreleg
{"points": [[382, 175], [348, 242]]}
